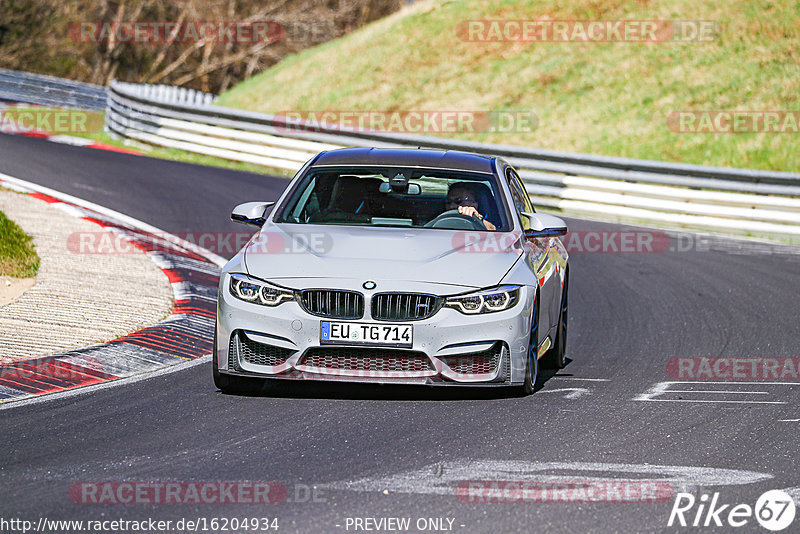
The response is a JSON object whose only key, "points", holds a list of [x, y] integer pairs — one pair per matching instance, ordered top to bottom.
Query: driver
{"points": [[464, 197]]}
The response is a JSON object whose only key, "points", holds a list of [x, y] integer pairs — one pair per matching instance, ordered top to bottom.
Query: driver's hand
{"points": [[469, 211], [472, 212]]}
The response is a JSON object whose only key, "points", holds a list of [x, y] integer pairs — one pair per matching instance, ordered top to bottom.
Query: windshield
{"points": [[397, 196]]}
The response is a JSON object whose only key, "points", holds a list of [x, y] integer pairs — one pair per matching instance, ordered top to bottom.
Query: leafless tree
{"points": [[45, 36]]}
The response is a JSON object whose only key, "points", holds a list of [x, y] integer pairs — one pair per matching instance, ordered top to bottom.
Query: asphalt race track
{"points": [[346, 452]]}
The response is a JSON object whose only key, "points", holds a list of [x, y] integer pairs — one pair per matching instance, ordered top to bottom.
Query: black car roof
{"points": [[416, 157]]}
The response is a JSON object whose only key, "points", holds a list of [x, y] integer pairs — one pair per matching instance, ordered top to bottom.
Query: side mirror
{"points": [[251, 213], [544, 225]]}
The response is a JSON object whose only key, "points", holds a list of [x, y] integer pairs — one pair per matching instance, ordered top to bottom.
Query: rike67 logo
{"points": [[774, 510]]}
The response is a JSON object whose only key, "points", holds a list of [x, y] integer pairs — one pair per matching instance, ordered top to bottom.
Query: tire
{"points": [[556, 356], [532, 365], [229, 383]]}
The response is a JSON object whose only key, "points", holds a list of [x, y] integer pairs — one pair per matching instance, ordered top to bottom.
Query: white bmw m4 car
{"points": [[403, 266]]}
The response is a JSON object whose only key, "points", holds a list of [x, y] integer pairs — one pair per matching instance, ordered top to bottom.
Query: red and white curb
{"points": [[11, 127], [184, 336]]}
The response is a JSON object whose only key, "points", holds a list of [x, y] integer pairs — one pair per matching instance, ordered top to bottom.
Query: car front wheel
{"points": [[556, 356], [532, 364], [229, 383]]}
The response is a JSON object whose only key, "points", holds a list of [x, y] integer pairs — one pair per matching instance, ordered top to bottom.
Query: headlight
{"points": [[251, 290], [485, 301]]}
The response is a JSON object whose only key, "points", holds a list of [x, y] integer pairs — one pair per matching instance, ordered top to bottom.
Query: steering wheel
{"points": [[453, 220]]}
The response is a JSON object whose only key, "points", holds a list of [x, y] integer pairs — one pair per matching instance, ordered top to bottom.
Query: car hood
{"points": [[464, 258]]}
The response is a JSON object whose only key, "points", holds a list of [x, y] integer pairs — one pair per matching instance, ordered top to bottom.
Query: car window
{"points": [[365, 196], [522, 201]]}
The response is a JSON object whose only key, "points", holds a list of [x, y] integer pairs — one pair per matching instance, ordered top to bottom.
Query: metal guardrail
{"points": [[44, 90], [740, 200]]}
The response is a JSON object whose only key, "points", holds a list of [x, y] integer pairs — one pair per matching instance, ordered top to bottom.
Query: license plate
{"points": [[393, 335]]}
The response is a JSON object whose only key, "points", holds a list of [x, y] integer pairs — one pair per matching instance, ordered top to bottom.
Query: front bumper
{"points": [[283, 342]]}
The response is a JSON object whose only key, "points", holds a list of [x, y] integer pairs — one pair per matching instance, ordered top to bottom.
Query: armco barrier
{"points": [[44, 90], [740, 200], [750, 201]]}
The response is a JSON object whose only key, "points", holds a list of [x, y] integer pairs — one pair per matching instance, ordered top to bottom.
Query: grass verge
{"points": [[610, 98], [18, 256]]}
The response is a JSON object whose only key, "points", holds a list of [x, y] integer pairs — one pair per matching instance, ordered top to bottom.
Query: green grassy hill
{"points": [[610, 98]]}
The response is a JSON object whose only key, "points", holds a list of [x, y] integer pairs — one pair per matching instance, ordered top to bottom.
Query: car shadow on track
{"points": [[309, 389]]}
